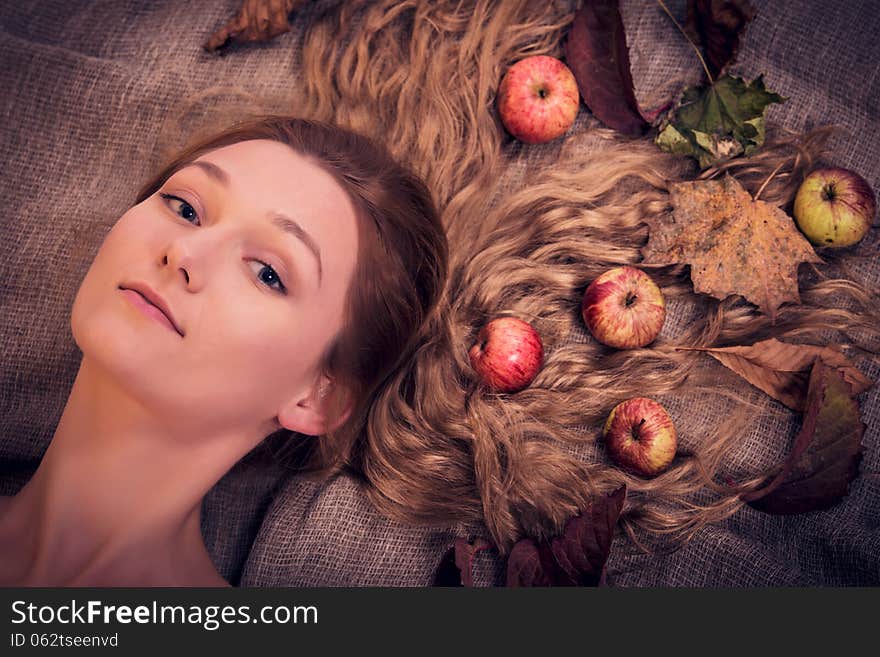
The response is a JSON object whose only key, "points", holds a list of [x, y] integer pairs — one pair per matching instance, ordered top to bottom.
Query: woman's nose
{"points": [[192, 254], [182, 256], [180, 267]]}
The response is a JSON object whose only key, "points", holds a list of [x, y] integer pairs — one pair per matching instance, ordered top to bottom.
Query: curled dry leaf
{"points": [[257, 20], [717, 26], [597, 54], [716, 121], [734, 244], [782, 369], [826, 453], [577, 558], [531, 563], [456, 567]]}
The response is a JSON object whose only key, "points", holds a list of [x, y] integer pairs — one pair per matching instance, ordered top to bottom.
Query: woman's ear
{"points": [[311, 415]]}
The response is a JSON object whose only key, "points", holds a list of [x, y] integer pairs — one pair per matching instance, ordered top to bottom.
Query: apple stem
{"points": [[630, 299], [635, 429]]}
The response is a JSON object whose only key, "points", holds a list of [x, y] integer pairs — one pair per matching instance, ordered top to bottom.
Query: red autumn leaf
{"points": [[717, 26], [597, 54], [826, 453], [577, 558], [531, 563], [456, 567], [447, 573]]}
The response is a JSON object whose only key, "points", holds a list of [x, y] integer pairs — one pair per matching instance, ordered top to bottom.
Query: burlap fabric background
{"points": [[87, 86]]}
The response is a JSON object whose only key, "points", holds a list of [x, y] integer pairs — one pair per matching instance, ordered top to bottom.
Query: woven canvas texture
{"points": [[88, 86]]}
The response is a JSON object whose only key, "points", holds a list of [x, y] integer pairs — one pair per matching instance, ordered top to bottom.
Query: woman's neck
{"points": [[116, 499]]}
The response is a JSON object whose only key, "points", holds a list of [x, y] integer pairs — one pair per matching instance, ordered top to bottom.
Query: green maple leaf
{"points": [[717, 121]]}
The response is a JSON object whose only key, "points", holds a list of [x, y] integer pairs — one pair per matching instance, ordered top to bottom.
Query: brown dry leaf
{"points": [[257, 20], [718, 26], [597, 55], [735, 245], [782, 369], [826, 453], [577, 557], [456, 567]]}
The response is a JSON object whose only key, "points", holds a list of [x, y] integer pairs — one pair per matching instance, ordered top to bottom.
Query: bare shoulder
{"points": [[199, 571], [200, 574], [213, 580]]}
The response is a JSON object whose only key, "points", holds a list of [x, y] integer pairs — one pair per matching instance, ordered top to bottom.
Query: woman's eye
{"points": [[180, 207], [265, 273], [268, 276]]}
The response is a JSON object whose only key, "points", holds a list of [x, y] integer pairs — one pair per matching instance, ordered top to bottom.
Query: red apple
{"points": [[538, 99], [834, 207], [624, 308], [508, 354], [640, 436]]}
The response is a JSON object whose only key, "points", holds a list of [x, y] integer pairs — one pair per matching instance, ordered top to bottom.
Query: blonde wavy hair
{"points": [[527, 231]]}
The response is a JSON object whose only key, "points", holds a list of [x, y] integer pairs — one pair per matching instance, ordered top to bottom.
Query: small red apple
{"points": [[538, 99], [834, 207], [624, 308], [508, 354], [640, 436]]}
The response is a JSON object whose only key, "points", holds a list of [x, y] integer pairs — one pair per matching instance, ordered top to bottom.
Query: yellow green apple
{"points": [[834, 207]]}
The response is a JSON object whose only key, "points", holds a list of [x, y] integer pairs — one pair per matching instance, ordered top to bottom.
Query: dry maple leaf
{"points": [[257, 20], [734, 244], [782, 369]]}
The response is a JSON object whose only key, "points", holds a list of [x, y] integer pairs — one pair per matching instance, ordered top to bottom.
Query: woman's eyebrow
{"points": [[211, 169], [279, 220], [289, 226]]}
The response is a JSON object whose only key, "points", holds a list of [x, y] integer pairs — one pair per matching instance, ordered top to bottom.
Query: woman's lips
{"points": [[149, 309]]}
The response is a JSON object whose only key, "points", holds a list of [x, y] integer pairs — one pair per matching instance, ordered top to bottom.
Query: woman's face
{"points": [[256, 303]]}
